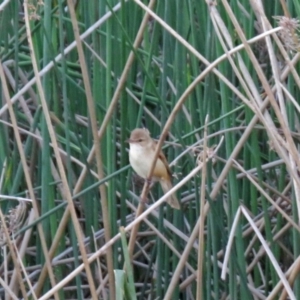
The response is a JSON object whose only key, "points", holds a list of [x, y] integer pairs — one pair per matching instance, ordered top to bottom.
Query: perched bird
{"points": [[141, 155]]}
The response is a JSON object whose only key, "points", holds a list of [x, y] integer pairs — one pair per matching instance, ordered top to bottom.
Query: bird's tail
{"points": [[172, 200]]}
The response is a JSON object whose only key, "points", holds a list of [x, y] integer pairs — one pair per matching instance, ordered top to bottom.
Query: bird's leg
{"points": [[150, 184]]}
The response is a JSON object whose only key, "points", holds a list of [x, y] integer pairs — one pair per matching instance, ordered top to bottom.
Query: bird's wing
{"points": [[162, 157]]}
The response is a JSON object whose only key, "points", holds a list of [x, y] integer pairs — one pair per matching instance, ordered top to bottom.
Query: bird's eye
{"points": [[140, 140]]}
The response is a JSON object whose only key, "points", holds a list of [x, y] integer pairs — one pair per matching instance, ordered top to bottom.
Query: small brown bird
{"points": [[141, 155]]}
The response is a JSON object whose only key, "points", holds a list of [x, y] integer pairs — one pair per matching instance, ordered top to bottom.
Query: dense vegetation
{"points": [[216, 83]]}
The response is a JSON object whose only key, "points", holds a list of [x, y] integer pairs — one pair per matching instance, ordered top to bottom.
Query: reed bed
{"points": [[216, 83]]}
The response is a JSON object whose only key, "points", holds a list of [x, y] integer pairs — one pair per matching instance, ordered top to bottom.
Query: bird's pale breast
{"points": [[141, 161]]}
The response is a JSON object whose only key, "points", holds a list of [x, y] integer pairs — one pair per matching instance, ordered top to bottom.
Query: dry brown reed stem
{"points": [[285, 8], [100, 172], [67, 192], [24, 244], [250, 248], [201, 253], [184, 256], [292, 275], [27, 280], [102, 282], [8, 290]]}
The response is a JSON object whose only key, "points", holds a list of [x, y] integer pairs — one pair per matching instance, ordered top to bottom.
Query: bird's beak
{"points": [[128, 141]]}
